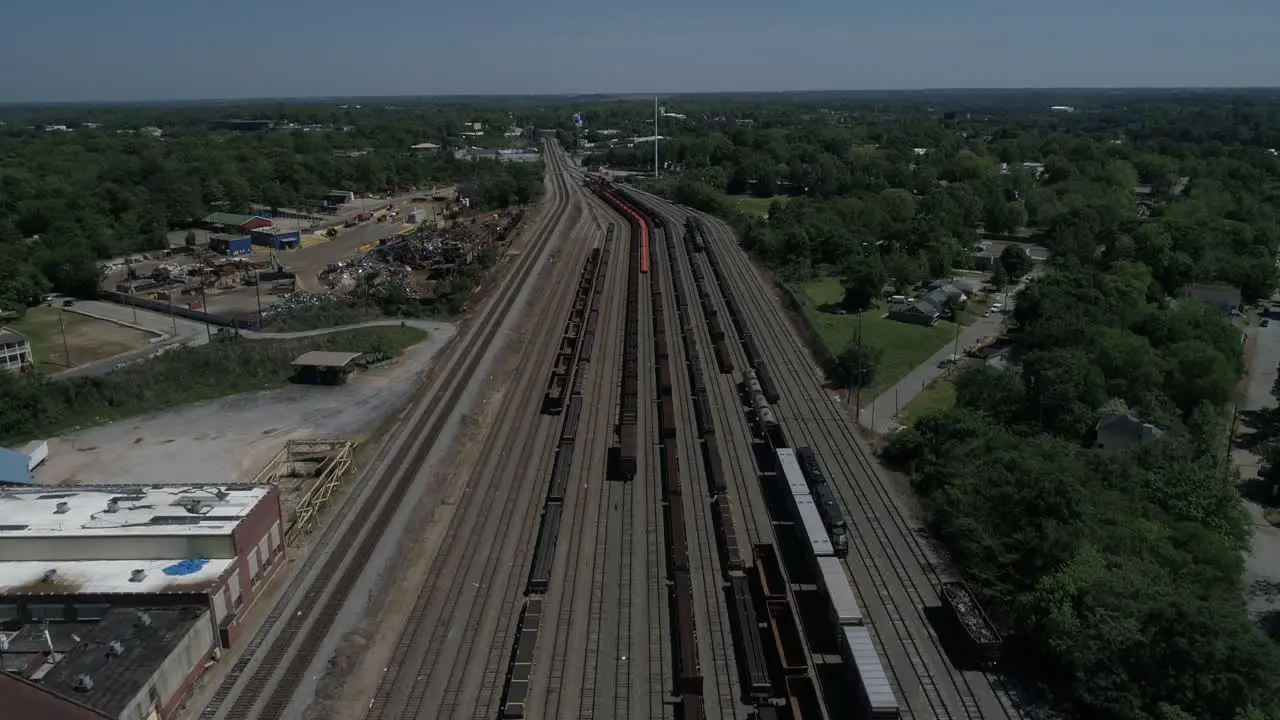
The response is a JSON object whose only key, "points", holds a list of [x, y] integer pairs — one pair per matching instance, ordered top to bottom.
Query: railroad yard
{"points": [[666, 514]]}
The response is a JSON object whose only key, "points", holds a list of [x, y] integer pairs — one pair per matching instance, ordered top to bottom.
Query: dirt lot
{"points": [[87, 340], [231, 439]]}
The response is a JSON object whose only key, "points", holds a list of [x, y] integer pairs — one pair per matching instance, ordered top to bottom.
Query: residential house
{"points": [[949, 294], [1220, 297], [940, 300], [918, 312], [15, 350], [1121, 431]]}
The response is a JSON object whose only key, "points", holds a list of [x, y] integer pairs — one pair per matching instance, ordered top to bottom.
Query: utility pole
{"points": [[655, 137], [257, 294], [204, 306], [66, 350], [857, 411]]}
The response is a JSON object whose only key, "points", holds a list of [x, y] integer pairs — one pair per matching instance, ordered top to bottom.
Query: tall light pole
{"points": [[655, 137]]}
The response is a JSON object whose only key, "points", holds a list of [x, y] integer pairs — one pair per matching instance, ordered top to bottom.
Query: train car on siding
{"points": [[791, 473], [832, 518], [814, 529], [545, 550], [840, 596], [875, 693]]}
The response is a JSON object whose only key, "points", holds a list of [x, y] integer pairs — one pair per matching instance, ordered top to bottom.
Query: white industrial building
{"points": [[136, 546]]}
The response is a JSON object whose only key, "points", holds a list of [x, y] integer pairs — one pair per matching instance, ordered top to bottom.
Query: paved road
{"points": [[881, 415], [1262, 564]]}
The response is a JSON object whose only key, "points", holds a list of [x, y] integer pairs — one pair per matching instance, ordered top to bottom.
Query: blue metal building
{"points": [[276, 238], [231, 245], [13, 468]]}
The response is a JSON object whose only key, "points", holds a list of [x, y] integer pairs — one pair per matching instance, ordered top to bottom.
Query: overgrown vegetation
{"points": [[35, 406]]}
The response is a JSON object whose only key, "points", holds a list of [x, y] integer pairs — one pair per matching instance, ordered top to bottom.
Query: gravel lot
{"points": [[229, 440]]}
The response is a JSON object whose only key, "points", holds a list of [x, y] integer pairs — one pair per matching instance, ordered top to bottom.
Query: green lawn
{"points": [[753, 205], [86, 339], [904, 346], [940, 395]]}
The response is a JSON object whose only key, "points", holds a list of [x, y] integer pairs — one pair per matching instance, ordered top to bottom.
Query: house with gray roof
{"points": [[1121, 431]]}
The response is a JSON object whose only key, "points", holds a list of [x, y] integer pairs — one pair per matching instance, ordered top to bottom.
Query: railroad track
{"points": [[738, 461], [887, 554], [450, 661], [262, 682], [721, 688]]}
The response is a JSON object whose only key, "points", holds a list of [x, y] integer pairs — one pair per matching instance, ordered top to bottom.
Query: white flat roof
{"points": [[138, 510], [84, 577]]}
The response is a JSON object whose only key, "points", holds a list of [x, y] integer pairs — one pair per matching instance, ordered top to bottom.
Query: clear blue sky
{"points": [[80, 50]]}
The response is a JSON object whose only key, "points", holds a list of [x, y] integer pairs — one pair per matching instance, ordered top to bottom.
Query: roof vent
{"points": [[113, 505], [195, 507], [62, 508], [49, 575], [138, 575], [144, 619], [115, 648], [84, 683]]}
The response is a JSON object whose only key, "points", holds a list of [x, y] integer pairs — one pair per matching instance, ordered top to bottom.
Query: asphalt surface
{"points": [[895, 572]]}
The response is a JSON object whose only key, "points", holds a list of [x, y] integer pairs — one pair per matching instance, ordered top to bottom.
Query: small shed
{"points": [[320, 367], [14, 468]]}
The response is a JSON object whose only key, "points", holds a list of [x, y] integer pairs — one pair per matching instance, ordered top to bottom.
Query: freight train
{"points": [[842, 603]]}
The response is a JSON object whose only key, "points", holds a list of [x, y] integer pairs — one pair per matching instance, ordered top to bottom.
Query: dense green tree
{"points": [[863, 280], [856, 365]]}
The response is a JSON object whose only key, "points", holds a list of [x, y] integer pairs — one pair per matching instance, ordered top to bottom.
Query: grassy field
{"points": [[754, 205], [88, 340], [904, 346], [940, 395], [43, 408]]}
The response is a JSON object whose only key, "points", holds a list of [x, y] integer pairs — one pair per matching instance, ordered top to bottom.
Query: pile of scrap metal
{"points": [[295, 301]]}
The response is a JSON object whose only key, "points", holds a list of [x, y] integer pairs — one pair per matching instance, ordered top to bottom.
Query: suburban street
{"points": [[881, 414], [1262, 564]]}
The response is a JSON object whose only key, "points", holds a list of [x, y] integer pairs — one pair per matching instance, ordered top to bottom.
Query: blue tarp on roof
{"points": [[13, 468]]}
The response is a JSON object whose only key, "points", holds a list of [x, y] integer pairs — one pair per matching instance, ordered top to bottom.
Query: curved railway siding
{"points": [[890, 560], [272, 665]]}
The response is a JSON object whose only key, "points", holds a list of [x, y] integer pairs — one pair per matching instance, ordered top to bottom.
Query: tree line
{"points": [[69, 199], [1115, 573]]}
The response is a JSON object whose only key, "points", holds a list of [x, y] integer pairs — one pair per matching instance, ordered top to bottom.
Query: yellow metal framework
{"points": [[324, 459]]}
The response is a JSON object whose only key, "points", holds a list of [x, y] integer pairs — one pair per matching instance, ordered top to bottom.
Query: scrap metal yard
{"points": [[655, 510]]}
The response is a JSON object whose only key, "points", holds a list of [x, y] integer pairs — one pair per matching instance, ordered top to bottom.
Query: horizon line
{"points": [[632, 94]]}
